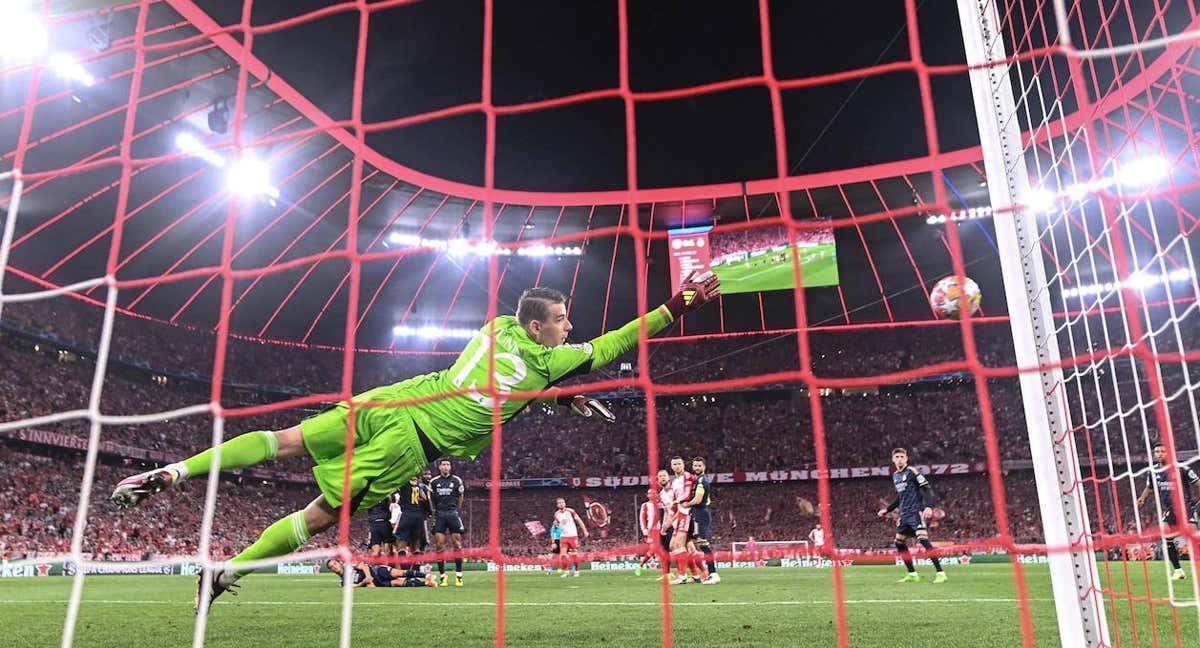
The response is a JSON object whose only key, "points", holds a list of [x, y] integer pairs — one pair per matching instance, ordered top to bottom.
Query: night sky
{"points": [[427, 56]]}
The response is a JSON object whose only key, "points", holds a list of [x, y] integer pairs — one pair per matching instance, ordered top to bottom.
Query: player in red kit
{"points": [[683, 487], [648, 524], [571, 525], [666, 531]]}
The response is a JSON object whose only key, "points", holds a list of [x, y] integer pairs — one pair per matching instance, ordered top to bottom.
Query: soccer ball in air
{"points": [[944, 298]]}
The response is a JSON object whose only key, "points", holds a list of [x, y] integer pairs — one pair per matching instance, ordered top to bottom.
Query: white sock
{"points": [[180, 470]]}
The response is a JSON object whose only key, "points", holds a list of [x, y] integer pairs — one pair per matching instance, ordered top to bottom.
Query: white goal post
{"points": [[1074, 576]]}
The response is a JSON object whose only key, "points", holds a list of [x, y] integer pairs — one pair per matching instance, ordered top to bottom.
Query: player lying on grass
{"points": [[393, 443], [1160, 484], [914, 498], [381, 575]]}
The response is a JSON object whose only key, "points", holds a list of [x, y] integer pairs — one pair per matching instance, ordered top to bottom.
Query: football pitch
{"points": [[818, 263], [750, 607]]}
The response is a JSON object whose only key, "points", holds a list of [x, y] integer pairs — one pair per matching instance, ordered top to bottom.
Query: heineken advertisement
{"points": [[68, 568]]}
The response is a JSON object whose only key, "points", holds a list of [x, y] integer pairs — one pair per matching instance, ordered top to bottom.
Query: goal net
{"points": [[1091, 166], [202, 242]]}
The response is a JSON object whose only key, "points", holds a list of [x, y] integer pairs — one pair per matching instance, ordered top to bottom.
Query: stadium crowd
{"points": [[761, 238], [939, 421], [39, 499]]}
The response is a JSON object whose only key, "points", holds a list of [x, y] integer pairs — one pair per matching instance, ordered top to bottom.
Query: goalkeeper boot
{"points": [[132, 491], [637, 571], [1178, 575], [910, 577], [939, 577], [220, 580], [442, 580], [458, 581]]}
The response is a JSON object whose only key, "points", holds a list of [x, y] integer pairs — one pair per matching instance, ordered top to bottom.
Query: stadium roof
{"points": [[856, 147]]}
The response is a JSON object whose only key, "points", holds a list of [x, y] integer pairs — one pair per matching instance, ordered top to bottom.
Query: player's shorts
{"points": [[387, 448], [1168, 517], [702, 521], [448, 522], [682, 523], [909, 525], [411, 529], [381, 533], [665, 540], [569, 542], [382, 575]]}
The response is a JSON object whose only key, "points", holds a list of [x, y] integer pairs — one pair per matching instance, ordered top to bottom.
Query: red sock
{"points": [[681, 563], [699, 565]]}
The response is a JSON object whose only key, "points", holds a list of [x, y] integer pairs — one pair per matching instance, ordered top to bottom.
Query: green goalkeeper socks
{"points": [[239, 452], [281, 538]]}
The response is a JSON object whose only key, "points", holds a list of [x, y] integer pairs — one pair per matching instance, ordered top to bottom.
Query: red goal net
{"points": [[232, 221]]}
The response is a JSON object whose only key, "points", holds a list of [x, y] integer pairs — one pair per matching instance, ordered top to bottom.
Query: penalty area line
{"points": [[542, 603]]}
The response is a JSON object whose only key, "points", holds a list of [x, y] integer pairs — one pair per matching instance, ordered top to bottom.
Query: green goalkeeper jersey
{"points": [[461, 425]]}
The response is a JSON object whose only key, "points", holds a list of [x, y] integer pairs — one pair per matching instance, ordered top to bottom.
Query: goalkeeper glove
{"points": [[694, 291], [586, 406]]}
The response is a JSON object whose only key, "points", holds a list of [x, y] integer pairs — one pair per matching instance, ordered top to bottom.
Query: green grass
{"points": [[818, 263], [760, 608]]}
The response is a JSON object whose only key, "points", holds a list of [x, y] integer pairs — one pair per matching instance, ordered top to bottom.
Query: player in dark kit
{"points": [[426, 480], [1159, 483], [447, 490], [914, 498], [413, 499], [702, 518], [379, 520], [381, 575]]}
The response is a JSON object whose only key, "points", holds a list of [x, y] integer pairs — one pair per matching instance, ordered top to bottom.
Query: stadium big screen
{"points": [[755, 259]]}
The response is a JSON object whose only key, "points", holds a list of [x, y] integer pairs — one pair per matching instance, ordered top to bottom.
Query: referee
{"points": [[702, 518]]}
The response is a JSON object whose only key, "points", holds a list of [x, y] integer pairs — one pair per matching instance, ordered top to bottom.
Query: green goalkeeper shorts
{"points": [[387, 449]]}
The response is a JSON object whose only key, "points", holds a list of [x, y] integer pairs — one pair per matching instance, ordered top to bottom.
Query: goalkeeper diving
{"points": [[452, 418]]}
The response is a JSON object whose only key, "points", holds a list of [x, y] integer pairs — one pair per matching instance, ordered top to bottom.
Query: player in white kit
{"points": [[817, 538]]}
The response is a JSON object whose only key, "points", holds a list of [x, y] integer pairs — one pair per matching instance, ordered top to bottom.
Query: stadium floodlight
{"points": [[22, 35], [70, 70], [189, 143], [1144, 172], [250, 177], [1040, 200], [971, 213], [463, 247], [550, 250], [1140, 281], [432, 332]]}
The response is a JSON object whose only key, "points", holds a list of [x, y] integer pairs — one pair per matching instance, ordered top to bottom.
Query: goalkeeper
{"points": [[393, 443]]}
